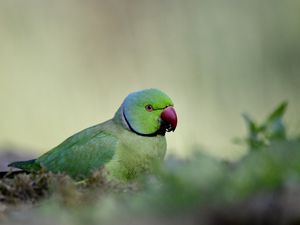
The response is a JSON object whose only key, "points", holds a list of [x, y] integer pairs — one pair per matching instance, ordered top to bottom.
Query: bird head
{"points": [[149, 112]]}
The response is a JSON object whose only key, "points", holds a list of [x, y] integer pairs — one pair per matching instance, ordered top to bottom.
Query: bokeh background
{"points": [[67, 65]]}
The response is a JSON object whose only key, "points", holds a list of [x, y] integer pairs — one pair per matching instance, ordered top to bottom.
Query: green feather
{"points": [[82, 153], [29, 165]]}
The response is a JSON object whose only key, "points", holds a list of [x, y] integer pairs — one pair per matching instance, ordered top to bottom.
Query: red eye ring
{"points": [[149, 108]]}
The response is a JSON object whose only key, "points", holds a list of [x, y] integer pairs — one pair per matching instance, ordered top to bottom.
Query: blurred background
{"points": [[67, 65]]}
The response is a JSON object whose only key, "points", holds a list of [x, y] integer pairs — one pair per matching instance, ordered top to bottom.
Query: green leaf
{"points": [[278, 112], [252, 127], [275, 128], [261, 135], [252, 140]]}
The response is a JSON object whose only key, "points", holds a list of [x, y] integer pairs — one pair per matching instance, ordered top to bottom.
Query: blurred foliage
{"points": [[272, 129], [260, 188]]}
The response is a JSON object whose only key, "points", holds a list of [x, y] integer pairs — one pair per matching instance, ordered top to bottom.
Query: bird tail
{"points": [[29, 165], [11, 174]]}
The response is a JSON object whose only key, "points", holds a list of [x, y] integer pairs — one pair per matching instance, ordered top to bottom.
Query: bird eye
{"points": [[149, 108]]}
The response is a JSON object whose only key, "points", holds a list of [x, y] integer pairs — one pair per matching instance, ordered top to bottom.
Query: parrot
{"points": [[126, 146]]}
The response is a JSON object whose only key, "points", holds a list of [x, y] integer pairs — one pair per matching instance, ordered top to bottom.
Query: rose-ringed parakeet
{"points": [[125, 146]]}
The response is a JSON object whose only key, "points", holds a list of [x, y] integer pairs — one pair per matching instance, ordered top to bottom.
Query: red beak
{"points": [[169, 118]]}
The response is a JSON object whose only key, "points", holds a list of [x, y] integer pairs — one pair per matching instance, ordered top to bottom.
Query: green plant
{"points": [[272, 129]]}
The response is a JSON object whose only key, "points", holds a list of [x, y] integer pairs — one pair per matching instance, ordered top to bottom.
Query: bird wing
{"points": [[82, 153]]}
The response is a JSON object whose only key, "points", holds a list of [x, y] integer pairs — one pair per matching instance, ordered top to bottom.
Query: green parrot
{"points": [[127, 145]]}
